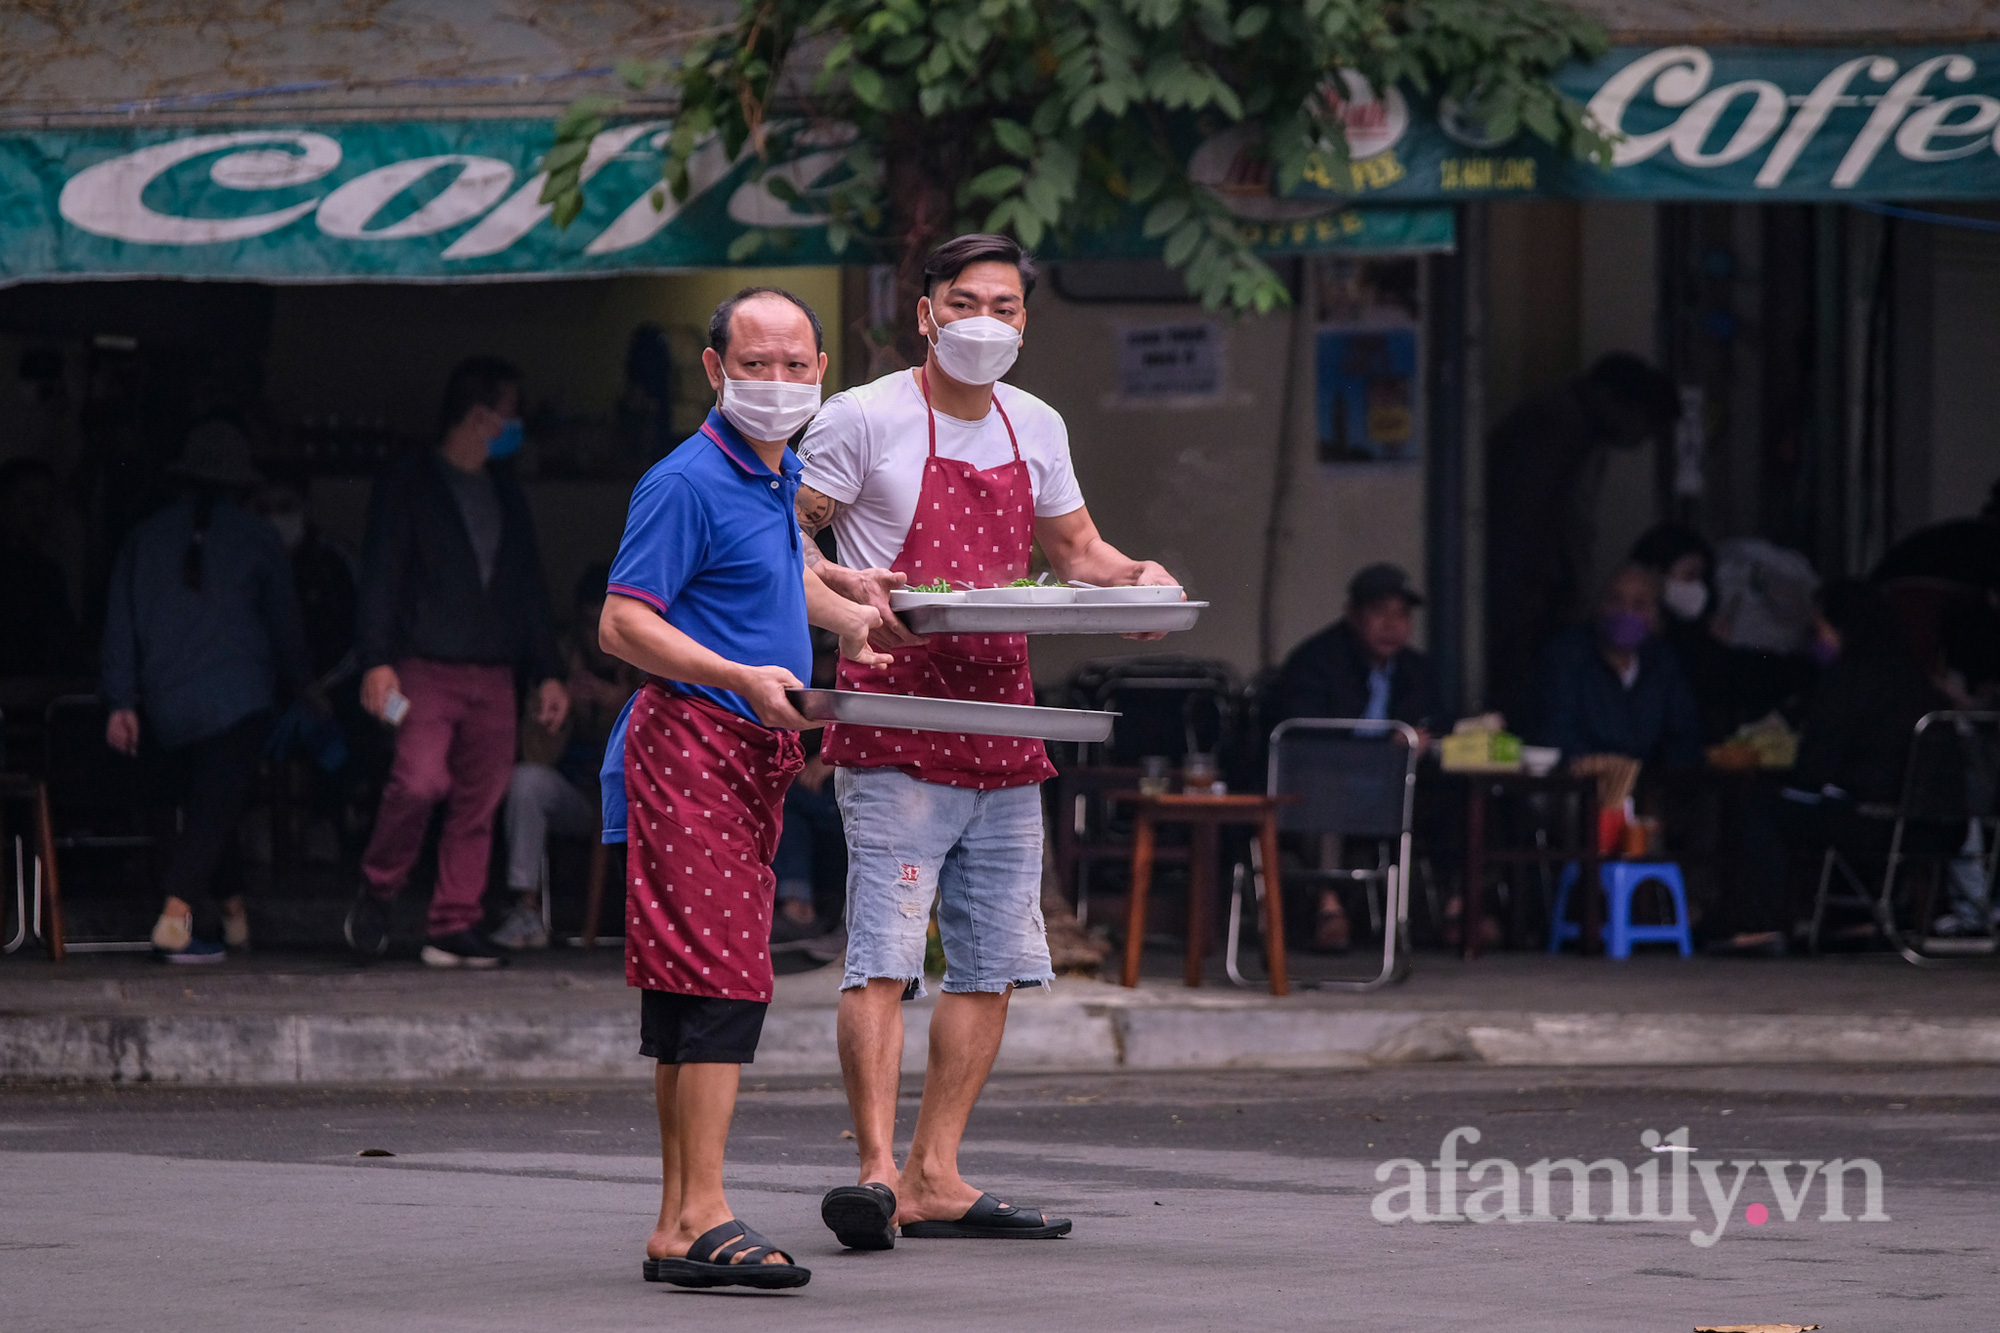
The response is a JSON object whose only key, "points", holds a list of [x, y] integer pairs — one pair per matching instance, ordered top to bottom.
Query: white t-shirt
{"points": [[866, 449]]}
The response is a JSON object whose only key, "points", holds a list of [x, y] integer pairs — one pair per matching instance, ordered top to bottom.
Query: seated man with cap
{"points": [[1361, 666]]}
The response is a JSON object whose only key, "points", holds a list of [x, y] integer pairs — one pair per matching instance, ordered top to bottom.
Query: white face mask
{"points": [[978, 349], [768, 409], [1686, 598]]}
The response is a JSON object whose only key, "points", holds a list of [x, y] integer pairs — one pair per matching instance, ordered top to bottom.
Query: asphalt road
{"points": [[1201, 1202]]}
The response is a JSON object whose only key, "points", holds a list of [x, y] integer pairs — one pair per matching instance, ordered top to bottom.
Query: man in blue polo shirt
{"points": [[710, 596]]}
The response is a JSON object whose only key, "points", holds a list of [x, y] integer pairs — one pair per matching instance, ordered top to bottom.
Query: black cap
{"points": [[1376, 582]]}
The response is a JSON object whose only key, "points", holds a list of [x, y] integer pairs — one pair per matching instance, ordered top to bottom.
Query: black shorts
{"points": [[680, 1029]]}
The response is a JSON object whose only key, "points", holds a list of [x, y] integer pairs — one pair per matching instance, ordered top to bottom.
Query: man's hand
{"points": [[1152, 575], [871, 587], [856, 636], [377, 684], [765, 688], [551, 705], [121, 731], [814, 776]]}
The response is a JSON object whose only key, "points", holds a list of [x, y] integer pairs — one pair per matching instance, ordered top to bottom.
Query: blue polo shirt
{"points": [[712, 543]]}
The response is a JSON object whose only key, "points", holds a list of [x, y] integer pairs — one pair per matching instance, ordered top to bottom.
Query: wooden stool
{"points": [[35, 792], [1205, 816]]}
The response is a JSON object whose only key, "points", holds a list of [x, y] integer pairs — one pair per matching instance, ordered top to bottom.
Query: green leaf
{"points": [[1251, 22], [868, 87], [1539, 115], [1013, 136], [565, 154], [994, 182], [1164, 216], [838, 234], [1181, 243], [746, 245]]}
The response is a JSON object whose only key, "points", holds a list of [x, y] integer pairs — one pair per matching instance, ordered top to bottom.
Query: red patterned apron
{"points": [[971, 527], [705, 793]]}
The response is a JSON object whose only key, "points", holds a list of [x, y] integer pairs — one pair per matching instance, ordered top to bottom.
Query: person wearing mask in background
{"points": [[1545, 464], [942, 472], [323, 575], [711, 598], [453, 606], [41, 630], [201, 637], [1361, 666], [1731, 685], [1614, 687], [1854, 747], [554, 788]]}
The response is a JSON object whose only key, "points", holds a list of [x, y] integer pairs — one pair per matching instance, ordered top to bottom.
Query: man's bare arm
{"points": [[817, 510]]}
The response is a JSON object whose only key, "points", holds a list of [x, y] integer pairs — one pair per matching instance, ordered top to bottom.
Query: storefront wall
{"points": [[381, 354], [1192, 486]]}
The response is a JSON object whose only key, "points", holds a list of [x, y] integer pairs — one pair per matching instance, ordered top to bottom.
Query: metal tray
{"points": [[1075, 618], [954, 715]]}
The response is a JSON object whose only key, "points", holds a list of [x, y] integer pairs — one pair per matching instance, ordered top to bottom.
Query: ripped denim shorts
{"points": [[977, 854]]}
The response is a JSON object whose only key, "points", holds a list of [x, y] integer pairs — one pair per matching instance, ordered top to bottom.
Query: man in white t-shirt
{"points": [[941, 473]]}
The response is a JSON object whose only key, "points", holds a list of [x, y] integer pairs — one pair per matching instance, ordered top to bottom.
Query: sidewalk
{"points": [[318, 1019]]}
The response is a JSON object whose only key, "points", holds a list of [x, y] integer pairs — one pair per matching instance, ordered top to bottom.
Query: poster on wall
{"points": [[1368, 361]]}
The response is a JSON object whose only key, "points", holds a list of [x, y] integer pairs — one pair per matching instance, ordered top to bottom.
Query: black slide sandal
{"points": [[861, 1217], [990, 1219], [718, 1247]]}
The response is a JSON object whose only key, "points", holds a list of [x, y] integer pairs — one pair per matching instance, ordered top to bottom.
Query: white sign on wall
{"points": [[1168, 362]]}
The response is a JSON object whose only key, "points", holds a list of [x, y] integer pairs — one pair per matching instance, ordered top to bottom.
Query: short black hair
{"points": [[957, 255], [718, 323], [1631, 380], [477, 381], [1662, 544]]}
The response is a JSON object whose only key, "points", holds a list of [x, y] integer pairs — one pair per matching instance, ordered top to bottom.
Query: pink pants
{"points": [[456, 746]]}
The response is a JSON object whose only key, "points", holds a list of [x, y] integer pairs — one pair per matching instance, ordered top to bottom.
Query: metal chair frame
{"points": [[88, 841], [1394, 877], [1881, 902]]}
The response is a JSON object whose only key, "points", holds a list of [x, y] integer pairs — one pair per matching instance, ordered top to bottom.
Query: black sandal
{"points": [[861, 1217], [990, 1219], [731, 1255]]}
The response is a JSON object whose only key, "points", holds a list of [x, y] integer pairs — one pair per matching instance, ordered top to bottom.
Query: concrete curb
{"points": [[269, 1049]]}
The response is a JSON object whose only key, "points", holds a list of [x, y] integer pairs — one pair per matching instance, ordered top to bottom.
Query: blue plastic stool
{"points": [[1620, 879]]}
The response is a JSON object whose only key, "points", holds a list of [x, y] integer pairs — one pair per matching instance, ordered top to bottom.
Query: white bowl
{"points": [[1166, 592], [1038, 595], [904, 600], [1538, 761]]}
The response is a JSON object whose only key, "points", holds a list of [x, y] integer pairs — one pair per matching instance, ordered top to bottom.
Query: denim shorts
{"points": [[977, 854]]}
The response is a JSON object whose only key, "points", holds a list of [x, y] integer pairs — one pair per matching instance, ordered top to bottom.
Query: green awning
{"points": [[1708, 123], [445, 200]]}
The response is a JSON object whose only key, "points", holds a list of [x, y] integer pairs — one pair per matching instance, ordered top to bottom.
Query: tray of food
{"points": [[1044, 608], [1059, 618], [962, 716]]}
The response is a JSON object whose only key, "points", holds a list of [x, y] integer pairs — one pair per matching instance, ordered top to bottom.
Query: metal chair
{"points": [[1353, 778], [1952, 779], [97, 797]]}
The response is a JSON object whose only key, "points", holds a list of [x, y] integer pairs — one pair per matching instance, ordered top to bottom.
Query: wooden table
{"points": [[1480, 788], [1205, 816]]}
